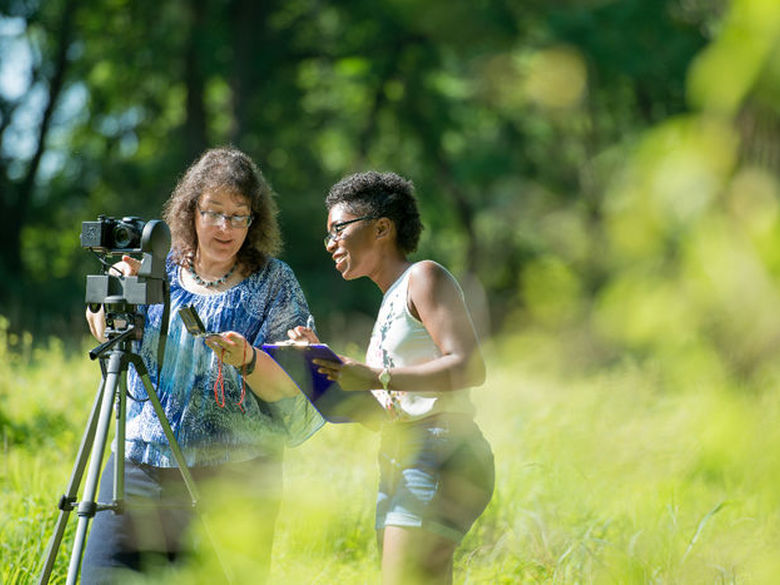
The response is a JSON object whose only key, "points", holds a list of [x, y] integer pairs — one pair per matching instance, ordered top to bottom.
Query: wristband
{"points": [[250, 367]]}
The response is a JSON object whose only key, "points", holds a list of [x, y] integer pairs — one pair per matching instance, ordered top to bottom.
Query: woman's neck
{"points": [[212, 269], [388, 272], [212, 274]]}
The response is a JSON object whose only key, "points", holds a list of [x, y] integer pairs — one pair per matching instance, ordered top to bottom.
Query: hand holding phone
{"points": [[193, 322]]}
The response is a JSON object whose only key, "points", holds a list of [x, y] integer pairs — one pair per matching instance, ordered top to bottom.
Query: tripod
{"points": [[112, 392]]}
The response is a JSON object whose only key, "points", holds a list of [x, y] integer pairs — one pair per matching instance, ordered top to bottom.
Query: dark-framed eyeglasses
{"points": [[214, 218], [335, 230]]}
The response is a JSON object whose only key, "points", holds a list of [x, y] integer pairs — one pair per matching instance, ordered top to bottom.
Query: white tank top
{"points": [[399, 339]]}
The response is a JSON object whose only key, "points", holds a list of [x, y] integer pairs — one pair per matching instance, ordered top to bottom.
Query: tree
{"points": [[510, 120]]}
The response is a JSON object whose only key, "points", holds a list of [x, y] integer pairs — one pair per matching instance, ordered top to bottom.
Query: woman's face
{"points": [[219, 219], [350, 244]]}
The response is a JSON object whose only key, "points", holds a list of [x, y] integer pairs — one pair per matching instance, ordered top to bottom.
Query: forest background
{"points": [[601, 175]]}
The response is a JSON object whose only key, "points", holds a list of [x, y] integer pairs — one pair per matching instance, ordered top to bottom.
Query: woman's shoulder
{"points": [[274, 268], [430, 270], [272, 275], [427, 276], [275, 285]]}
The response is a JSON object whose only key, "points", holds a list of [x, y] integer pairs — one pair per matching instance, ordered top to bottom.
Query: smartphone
{"points": [[193, 323]]}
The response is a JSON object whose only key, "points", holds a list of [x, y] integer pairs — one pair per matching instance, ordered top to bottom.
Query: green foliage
{"points": [[512, 120], [606, 170], [603, 175], [44, 400], [602, 478]]}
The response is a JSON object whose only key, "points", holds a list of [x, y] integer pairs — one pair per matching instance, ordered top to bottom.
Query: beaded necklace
{"points": [[209, 283]]}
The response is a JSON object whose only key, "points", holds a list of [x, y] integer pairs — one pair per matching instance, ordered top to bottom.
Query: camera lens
{"points": [[127, 233], [123, 236]]}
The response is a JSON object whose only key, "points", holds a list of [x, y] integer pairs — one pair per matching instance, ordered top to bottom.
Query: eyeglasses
{"points": [[214, 218], [335, 230]]}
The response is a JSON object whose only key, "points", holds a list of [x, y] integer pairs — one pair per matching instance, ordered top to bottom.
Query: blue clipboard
{"points": [[331, 401]]}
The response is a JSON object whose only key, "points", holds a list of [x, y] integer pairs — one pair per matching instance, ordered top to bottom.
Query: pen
{"points": [[310, 322]]}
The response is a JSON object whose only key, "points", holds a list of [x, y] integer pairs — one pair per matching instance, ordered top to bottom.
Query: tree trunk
{"points": [[248, 20], [195, 131], [15, 199]]}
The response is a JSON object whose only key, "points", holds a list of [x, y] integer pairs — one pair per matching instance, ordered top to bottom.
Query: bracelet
{"points": [[250, 367], [384, 378]]}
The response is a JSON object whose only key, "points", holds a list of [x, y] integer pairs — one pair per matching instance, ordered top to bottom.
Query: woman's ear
{"points": [[384, 227]]}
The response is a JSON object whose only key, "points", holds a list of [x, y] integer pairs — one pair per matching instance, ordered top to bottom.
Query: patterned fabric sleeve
{"points": [[288, 309], [204, 401], [299, 418]]}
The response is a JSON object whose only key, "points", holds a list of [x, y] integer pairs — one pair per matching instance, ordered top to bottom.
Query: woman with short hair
{"points": [[436, 468]]}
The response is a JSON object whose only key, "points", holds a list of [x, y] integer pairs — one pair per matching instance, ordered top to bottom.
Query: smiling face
{"points": [[219, 244], [352, 244]]}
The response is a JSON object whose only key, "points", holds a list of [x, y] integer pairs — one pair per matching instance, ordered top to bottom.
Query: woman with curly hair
{"points": [[231, 408], [435, 466]]}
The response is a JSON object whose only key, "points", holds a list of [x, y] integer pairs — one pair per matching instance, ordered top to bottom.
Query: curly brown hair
{"points": [[224, 168]]}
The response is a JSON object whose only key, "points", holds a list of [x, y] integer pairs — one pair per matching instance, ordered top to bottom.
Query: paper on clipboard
{"points": [[331, 401]]}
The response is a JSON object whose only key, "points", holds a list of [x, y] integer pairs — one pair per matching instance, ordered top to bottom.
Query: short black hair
{"points": [[381, 195]]}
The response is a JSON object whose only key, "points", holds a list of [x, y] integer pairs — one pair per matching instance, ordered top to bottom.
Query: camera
{"points": [[112, 235], [130, 235]]}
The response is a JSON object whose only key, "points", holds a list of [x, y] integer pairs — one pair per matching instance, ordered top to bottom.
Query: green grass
{"points": [[612, 477]]}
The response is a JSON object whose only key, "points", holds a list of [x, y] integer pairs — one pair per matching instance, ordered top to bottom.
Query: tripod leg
{"points": [[119, 465], [69, 497], [87, 506]]}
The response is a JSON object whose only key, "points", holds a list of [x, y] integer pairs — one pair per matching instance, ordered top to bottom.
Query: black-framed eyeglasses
{"points": [[214, 218], [335, 230]]}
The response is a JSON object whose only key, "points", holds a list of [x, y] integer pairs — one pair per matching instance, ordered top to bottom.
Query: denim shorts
{"points": [[436, 473]]}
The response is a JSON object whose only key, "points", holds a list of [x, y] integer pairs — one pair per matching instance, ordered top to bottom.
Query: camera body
{"points": [[110, 235]]}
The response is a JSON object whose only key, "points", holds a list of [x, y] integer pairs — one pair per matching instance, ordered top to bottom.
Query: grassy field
{"points": [[611, 477]]}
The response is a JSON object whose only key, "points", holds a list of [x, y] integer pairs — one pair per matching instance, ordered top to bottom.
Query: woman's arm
{"points": [[436, 300], [97, 324], [267, 380]]}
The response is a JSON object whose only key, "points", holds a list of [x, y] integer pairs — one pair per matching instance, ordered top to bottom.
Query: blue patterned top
{"points": [[262, 308]]}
